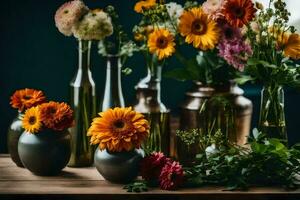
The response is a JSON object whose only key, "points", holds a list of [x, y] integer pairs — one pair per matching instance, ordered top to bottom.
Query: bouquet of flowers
{"points": [[52, 115]]}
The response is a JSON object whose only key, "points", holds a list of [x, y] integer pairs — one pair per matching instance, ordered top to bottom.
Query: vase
{"points": [[148, 93], [113, 95], [83, 102], [210, 109], [272, 117], [15, 130], [45, 153], [118, 167]]}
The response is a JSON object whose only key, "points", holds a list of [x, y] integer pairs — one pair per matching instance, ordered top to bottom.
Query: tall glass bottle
{"points": [[148, 93], [113, 95], [83, 102], [272, 118]]}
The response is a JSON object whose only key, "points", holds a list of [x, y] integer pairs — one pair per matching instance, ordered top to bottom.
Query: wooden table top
{"points": [[87, 184]]}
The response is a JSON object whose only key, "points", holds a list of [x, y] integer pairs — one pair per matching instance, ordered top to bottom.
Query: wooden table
{"points": [[87, 184]]}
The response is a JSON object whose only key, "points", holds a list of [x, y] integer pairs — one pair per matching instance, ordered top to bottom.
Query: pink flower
{"points": [[213, 8], [68, 15], [233, 48], [235, 53], [151, 166], [171, 176]]}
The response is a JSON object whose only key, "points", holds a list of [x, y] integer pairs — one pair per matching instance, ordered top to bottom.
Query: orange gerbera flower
{"points": [[144, 5], [238, 12], [292, 46], [26, 98], [56, 116], [119, 129]]}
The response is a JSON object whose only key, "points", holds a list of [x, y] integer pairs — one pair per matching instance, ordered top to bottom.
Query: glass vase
{"points": [[148, 93], [113, 95], [83, 102], [272, 118]]}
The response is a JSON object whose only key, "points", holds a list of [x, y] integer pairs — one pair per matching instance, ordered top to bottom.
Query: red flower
{"points": [[238, 12], [151, 166], [171, 176]]}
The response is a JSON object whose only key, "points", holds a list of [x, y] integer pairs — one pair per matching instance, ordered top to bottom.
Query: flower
{"points": [[144, 5], [213, 8], [174, 10], [238, 12], [68, 15], [96, 25], [199, 29], [230, 33], [161, 42], [292, 46], [235, 52], [26, 98], [56, 116], [31, 121], [119, 129], [211, 150], [151, 166], [171, 176]]}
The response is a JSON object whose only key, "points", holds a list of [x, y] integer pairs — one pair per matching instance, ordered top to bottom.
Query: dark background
{"points": [[34, 54]]}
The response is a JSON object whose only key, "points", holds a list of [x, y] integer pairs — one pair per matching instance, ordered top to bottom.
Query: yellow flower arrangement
{"points": [[144, 5], [199, 29], [161, 42], [32, 122], [119, 129]]}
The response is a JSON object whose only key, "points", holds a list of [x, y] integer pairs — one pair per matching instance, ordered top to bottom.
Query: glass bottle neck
{"points": [[84, 52]]}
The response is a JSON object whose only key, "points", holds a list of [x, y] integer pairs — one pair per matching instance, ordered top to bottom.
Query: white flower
{"points": [[174, 10], [68, 15], [96, 25], [211, 150]]}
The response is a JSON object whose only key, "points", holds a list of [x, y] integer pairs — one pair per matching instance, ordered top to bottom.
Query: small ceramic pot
{"points": [[15, 130], [45, 153], [118, 167]]}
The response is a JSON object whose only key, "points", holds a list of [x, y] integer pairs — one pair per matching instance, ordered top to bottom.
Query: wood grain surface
{"points": [[87, 184]]}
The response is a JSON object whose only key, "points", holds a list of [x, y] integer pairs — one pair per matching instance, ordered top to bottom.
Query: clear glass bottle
{"points": [[148, 92], [113, 95], [83, 102], [272, 117]]}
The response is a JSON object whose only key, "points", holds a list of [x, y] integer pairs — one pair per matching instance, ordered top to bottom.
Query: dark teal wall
{"points": [[34, 54]]}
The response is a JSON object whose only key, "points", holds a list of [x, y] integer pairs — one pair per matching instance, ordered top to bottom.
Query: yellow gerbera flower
{"points": [[144, 5], [199, 29], [161, 42], [32, 120], [119, 129]]}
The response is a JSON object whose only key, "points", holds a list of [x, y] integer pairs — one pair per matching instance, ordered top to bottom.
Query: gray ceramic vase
{"points": [[15, 130], [45, 153], [119, 167]]}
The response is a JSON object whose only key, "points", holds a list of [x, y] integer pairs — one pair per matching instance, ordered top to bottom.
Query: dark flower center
{"points": [[66, 11], [238, 12], [198, 27], [228, 33], [162, 42], [26, 97], [32, 120], [119, 124]]}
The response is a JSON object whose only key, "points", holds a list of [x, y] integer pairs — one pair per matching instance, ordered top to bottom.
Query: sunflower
{"points": [[144, 5], [238, 12], [199, 29], [161, 42], [292, 46], [26, 98], [56, 116], [32, 120], [119, 129]]}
